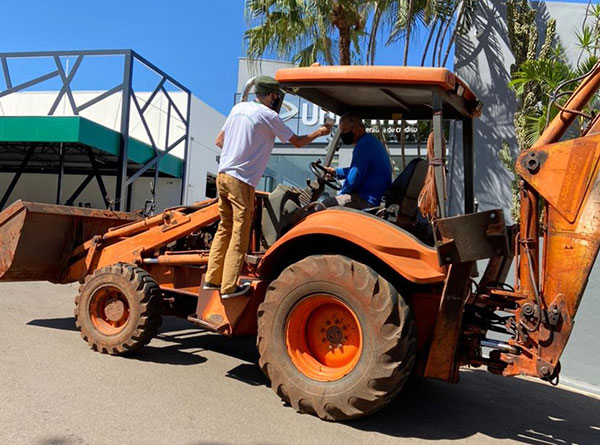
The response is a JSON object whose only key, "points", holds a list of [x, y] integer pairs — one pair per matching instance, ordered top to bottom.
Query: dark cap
{"points": [[266, 85]]}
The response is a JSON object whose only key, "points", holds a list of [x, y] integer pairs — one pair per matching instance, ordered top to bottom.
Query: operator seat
{"points": [[402, 196]]}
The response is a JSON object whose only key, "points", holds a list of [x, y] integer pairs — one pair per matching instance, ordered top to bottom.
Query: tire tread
{"points": [[150, 301], [393, 315]]}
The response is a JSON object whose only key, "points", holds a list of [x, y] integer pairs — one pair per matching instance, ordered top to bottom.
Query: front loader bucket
{"points": [[37, 240]]}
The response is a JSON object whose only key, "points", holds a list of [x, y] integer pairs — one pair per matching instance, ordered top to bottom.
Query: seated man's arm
{"points": [[340, 172], [350, 174], [353, 174], [352, 183]]}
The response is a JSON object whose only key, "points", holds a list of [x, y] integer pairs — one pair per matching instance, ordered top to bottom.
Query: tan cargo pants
{"points": [[230, 245]]}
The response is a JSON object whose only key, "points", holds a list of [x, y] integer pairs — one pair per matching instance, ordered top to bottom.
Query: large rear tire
{"points": [[118, 309], [335, 338]]}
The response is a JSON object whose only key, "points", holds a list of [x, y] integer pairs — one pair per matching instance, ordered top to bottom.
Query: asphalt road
{"points": [[191, 387]]}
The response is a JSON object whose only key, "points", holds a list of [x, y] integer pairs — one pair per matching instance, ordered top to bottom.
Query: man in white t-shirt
{"points": [[247, 140]]}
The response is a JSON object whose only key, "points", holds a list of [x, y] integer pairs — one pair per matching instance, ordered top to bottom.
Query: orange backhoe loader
{"points": [[347, 304]]}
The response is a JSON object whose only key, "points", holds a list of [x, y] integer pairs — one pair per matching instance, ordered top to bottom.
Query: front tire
{"points": [[118, 309], [335, 338]]}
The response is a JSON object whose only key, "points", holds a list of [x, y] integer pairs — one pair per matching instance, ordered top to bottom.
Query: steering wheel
{"points": [[320, 172]]}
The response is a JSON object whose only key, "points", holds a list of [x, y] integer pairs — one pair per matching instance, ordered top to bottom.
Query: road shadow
{"points": [[63, 324], [184, 336], [185, 342], [169, 355], [248, 373], [498, 407], [502, 408], [61, 440]]}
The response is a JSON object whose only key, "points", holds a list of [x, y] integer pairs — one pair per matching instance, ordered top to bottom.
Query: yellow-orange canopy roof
{"points": [[344, 88]]}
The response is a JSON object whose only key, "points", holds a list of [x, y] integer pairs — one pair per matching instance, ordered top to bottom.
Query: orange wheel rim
{"points": [[109, 310], [323, 338]]}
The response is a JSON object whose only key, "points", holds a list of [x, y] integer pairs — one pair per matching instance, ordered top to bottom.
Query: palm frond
{"points": [[585, 38], [586, 66], [543, 72], [534, 127]]}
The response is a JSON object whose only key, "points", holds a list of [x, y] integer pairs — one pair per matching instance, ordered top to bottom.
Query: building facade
{"points": [[59, 137]]}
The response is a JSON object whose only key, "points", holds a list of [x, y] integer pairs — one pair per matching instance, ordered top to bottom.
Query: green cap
{"points": [[266, 85]]}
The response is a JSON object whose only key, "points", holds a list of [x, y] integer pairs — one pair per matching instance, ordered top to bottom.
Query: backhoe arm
{"points": [[565, 175]]}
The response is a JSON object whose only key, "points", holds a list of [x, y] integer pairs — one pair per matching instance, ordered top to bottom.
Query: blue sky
{"points": [[198, 42]]}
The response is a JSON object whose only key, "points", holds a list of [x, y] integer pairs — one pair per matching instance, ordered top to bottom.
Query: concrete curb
{"points": [[568, 384], [580, 387]]}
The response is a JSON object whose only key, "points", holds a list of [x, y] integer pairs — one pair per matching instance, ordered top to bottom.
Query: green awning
{"points": [[75, 129]]}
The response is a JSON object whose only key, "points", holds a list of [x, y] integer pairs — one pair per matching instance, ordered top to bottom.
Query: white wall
{"points": [[483, 59], [107, 112], [205, 123], [204, 127], [40, 187]]}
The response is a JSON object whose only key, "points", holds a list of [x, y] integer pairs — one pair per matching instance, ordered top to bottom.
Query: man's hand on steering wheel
{"points": [[330, 173], [325, 174]]}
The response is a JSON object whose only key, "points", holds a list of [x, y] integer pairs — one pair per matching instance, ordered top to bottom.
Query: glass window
{"points": [[290, 170], [211, 185]]}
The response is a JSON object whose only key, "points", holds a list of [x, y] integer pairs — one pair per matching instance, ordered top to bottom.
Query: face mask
{"points": [[276, 103], [348, 137]]}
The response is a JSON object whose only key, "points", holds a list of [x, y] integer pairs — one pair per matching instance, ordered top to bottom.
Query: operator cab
{"points": [[380, 93]]}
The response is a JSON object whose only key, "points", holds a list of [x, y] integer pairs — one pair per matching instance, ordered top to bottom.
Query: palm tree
{"points": [[383, 13], [404, 15], [438, 17], [464, 21], [433, 25], [306, 31], [334, 31], [539, 75], [540, 78]]}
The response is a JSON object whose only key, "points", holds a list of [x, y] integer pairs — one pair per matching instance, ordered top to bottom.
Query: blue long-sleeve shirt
{"points": [[370, 173]]}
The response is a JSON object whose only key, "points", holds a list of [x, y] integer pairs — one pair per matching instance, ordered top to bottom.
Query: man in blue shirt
{"points": [[369, 174]]}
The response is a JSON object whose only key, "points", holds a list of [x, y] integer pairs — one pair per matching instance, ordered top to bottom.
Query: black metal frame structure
{"points": [[124, 172]]}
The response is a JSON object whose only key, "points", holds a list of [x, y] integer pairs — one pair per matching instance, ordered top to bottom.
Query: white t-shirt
{"points": [[250, 131]]}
